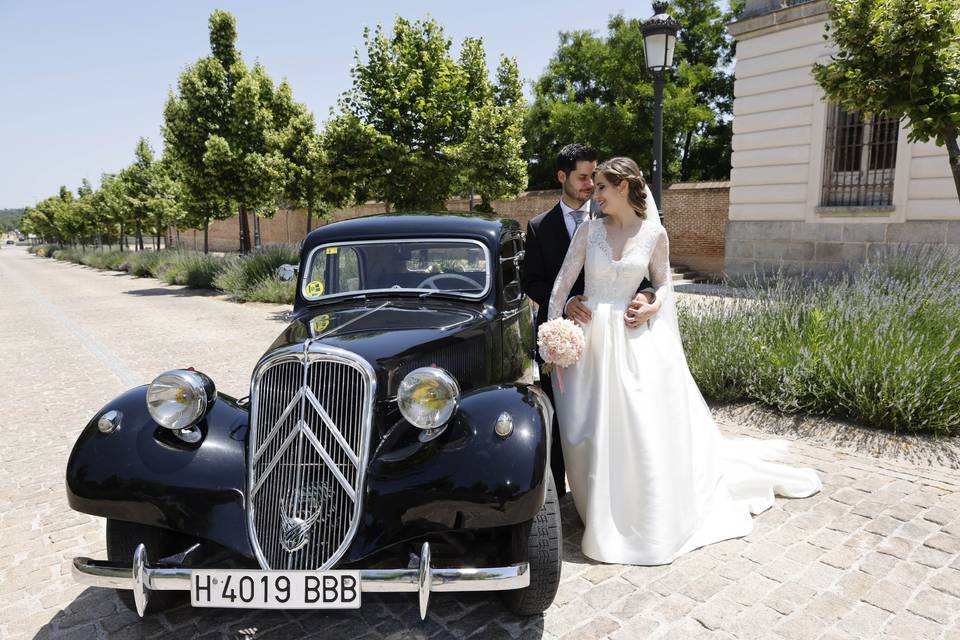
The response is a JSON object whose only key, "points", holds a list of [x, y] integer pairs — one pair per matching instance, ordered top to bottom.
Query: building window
{"points": [[860, 159]]}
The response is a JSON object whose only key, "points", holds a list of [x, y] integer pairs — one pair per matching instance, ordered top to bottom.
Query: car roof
{"points": [[484, 227]]}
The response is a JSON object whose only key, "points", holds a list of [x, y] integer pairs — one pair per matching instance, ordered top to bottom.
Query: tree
{"points": [[705, 55], [899, 58], [597, 90], [410, 93], [405, 127], [219, 131], [492, 152], [307, 179], [143, 190], [110, 201], [85, 211], [65, 217], [44, 220]]}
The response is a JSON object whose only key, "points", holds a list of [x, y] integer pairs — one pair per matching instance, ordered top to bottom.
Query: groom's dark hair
{"points": [[571, 154]]}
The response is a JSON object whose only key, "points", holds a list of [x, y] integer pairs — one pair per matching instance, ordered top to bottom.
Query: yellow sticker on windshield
{"points": [[331, 251], [314, 288], [320, 323]]}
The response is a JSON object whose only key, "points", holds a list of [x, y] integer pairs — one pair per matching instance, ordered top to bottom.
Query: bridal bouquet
{"points": [[561, 344]]}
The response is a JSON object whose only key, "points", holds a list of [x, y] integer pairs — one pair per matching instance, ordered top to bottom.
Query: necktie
{"points": [[578, 217]]}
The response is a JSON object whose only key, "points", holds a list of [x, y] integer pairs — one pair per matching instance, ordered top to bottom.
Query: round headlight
{"points": [[428, 397], [177, 399]]}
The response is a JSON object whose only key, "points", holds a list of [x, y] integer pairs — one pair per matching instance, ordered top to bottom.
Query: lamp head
{"points": [[659, 38]]}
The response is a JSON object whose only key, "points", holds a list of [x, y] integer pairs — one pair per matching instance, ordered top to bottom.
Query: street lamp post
{"points": [[659, 40]]}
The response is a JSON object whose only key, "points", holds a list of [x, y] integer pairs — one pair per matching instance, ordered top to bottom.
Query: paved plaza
{"points": [[875, 555]]}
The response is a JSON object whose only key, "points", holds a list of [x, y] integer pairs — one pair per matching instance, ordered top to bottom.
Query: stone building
{"points": [[811, 185]]}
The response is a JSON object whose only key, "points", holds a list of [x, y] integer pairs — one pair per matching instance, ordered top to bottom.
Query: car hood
{"points": [[398, 335]]}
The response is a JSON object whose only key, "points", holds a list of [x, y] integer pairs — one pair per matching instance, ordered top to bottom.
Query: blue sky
{"points": [[81, 81]]}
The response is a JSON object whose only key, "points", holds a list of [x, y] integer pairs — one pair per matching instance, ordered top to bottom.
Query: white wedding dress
{"points": [[651, 475]]}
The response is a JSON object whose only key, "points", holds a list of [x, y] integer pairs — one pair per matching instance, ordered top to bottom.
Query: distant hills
{"points": [[10, 219]]}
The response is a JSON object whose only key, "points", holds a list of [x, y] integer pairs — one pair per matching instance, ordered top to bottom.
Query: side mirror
{"points": [[287, 272]]}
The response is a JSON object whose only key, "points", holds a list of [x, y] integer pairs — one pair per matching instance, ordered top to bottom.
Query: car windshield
{"points": [[449, 267]]}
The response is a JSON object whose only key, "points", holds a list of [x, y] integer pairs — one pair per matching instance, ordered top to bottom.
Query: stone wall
{"points": [[695, 217], [809, 246]]}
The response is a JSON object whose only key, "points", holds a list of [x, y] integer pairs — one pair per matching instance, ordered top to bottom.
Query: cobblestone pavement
{"points": [[875, 555]]}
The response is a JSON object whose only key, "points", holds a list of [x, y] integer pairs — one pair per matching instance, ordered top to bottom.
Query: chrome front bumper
{"points": [[142, 578]]}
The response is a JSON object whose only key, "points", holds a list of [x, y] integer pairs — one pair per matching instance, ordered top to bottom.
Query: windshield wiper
{"points": [[432, 292]]}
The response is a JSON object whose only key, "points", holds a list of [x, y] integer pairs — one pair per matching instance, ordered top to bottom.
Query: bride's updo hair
{"points": [[616, 170]]}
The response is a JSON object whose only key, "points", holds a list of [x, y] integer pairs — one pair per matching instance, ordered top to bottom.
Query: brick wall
{"points": [[695, 217]]}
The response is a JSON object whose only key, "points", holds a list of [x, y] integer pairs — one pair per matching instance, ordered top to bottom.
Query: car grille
{"points": [[309, 437]]}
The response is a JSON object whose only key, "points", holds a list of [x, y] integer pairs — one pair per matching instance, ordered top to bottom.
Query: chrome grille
{"points": [[309, 436]]}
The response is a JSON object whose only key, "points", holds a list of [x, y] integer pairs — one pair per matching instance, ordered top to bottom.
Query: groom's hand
{"points": [[640, 310], [577, 311]]}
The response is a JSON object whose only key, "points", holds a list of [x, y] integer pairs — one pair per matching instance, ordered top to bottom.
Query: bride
{"points": [[651, 476]]}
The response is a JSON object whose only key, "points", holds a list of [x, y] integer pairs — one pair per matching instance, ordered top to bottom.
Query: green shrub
{"points": [[67, 254], [99, 259], [139, 263], [191, 268], [242, 275], [270, 289], [879, 345]]}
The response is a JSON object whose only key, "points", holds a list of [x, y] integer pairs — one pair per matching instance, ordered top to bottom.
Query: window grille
{"points": [[860, 159]]}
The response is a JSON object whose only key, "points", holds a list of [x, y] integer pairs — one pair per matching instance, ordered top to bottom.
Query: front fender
{"points": [[143, 473], [466, 478]]}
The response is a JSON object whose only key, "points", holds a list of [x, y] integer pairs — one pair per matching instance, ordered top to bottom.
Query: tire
{"points": [[122, 540], [539, 543]]}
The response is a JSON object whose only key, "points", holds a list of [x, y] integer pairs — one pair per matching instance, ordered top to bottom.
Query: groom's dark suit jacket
{"points": [[544, 249]]}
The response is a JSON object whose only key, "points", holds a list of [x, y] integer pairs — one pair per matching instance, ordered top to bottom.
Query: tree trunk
{"points": [[953, 149], [685, 163], [309, 220], [244, 231], [256, 231], [206, 235], [139, 236], [120, 239]]}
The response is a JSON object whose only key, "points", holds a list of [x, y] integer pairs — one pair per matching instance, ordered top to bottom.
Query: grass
{"points": [[248, 278], [879, 345]]}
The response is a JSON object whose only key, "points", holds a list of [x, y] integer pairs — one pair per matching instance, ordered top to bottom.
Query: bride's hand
{"points": [[577, 311]]}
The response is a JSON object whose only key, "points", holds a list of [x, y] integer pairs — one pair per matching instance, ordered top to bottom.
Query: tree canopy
{"points": [[899, 58], [596, 90], [409, 126], [221, 132]]}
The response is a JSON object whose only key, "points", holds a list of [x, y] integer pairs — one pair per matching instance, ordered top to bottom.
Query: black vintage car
{"points": [[394, 439]]}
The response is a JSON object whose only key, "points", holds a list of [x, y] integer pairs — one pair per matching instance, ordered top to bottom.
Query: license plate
{"points": [[275, 589]]}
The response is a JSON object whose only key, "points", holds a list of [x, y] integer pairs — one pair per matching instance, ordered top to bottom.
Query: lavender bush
{"points": [[879, 345]]}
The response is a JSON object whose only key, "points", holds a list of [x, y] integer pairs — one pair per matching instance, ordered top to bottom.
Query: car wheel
{"points": [[122, 540], [539, 543]]}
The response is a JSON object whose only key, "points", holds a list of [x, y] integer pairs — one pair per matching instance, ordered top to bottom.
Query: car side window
{"points": [[510, 250]]}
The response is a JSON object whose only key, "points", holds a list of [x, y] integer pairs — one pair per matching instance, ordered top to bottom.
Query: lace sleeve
{"points": [[659, 266], [569, 272]]}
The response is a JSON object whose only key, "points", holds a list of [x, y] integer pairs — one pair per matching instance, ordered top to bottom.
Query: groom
{"points": [[547, 240]]}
